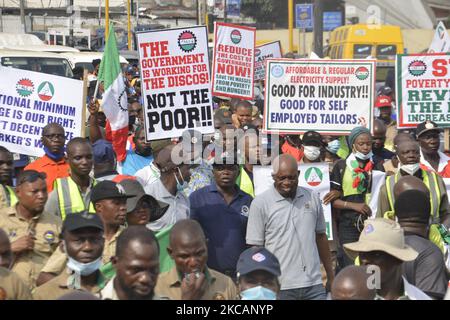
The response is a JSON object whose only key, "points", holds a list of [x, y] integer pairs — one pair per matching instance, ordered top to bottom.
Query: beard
{"points": [[132, 295]]}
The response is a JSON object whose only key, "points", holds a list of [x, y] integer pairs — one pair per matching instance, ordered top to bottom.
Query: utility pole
{"points": [[22, 15], [291, 24], [318, 27]]}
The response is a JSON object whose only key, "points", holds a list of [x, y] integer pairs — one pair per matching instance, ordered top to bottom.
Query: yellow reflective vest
{"points": [[431, 181], [245, 183], [70, 199]]}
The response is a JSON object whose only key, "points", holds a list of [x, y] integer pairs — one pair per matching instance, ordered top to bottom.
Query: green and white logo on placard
{"points": [[46, 91], [313, 176]]}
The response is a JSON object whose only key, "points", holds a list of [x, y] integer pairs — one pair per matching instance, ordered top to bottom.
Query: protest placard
{"points": [[441, 40], [262, 53], [234, 61], [176, 83], [423, 89], [328, 96], [29, 101], [314, 176]]}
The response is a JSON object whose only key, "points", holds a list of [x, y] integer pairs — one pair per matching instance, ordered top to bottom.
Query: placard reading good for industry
{"points": [[262, 53], [234, 61], [175, 82], [423, 89], [328, 96], [31, 100], [314, 176]]}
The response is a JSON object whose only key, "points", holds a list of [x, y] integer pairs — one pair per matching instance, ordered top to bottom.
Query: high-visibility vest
{"points": [[430, 180], [245, 183], [347, 186], [10, 196], [70, 199]]}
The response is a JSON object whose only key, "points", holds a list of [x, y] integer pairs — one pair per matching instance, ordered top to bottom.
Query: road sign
{"points": [[304, 16], [332, 20]]}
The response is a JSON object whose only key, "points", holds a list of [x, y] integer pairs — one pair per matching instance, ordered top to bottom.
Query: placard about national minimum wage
{"points": [[234, 61], [175, 82], [423, 89], [328, 96], [29, 101], [314, 176]]}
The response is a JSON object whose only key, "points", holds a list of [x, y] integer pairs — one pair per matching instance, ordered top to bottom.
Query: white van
{"points": [[29, 42], [84, 59], [46, 62]]}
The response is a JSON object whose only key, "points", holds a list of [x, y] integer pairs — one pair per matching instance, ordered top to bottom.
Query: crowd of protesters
{"points": [[179, 219]]}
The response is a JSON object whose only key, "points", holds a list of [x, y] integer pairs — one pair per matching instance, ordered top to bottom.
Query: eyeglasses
{"points": [[56, 136]]}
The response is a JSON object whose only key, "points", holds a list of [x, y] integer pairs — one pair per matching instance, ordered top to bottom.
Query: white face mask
{"points": [[311, 152], [363, 156], [410, 169], [84, 269]]}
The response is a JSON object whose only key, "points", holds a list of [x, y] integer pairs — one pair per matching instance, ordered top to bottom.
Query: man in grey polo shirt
{"points": [[169, 187], [288, 220]]}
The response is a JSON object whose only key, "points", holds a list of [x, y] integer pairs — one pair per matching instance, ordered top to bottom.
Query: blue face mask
{"points": [[333, 146], [54, 156], [363, 156], [180, 186], [258, 293]]}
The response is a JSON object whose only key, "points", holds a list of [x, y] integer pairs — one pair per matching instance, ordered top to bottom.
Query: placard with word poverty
{"points": [[423, 89]]}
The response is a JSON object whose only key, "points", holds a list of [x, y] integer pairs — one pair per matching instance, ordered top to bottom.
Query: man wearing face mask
{"points": [[312, 147], [408, 154], [140, 157], [53, 163], [175, 175], [353, 178], [83, 243], [258, 271]]}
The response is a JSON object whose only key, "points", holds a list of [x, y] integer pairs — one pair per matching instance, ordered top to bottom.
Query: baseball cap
{"points": [[383, 101], [426, 126], [312, 138], [103, 151], [134, 187], [108, 190], [79, 220], [382, 235], [257, 258]]}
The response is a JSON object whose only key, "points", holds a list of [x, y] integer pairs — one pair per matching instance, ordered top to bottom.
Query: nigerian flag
{"points": [[114, 101]]}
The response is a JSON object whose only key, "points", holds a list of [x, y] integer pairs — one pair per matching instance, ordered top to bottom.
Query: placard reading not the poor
{"points": [[262, 53], [234, 61], [175, 82], [423, 89], [328, 96], [29, 101], [314, 176]]}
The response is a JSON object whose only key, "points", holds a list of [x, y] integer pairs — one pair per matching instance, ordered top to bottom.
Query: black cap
{"points": [[426, 126], [312, 138], [134, 187], [108, 190], [79, 220], [258, 258]]}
